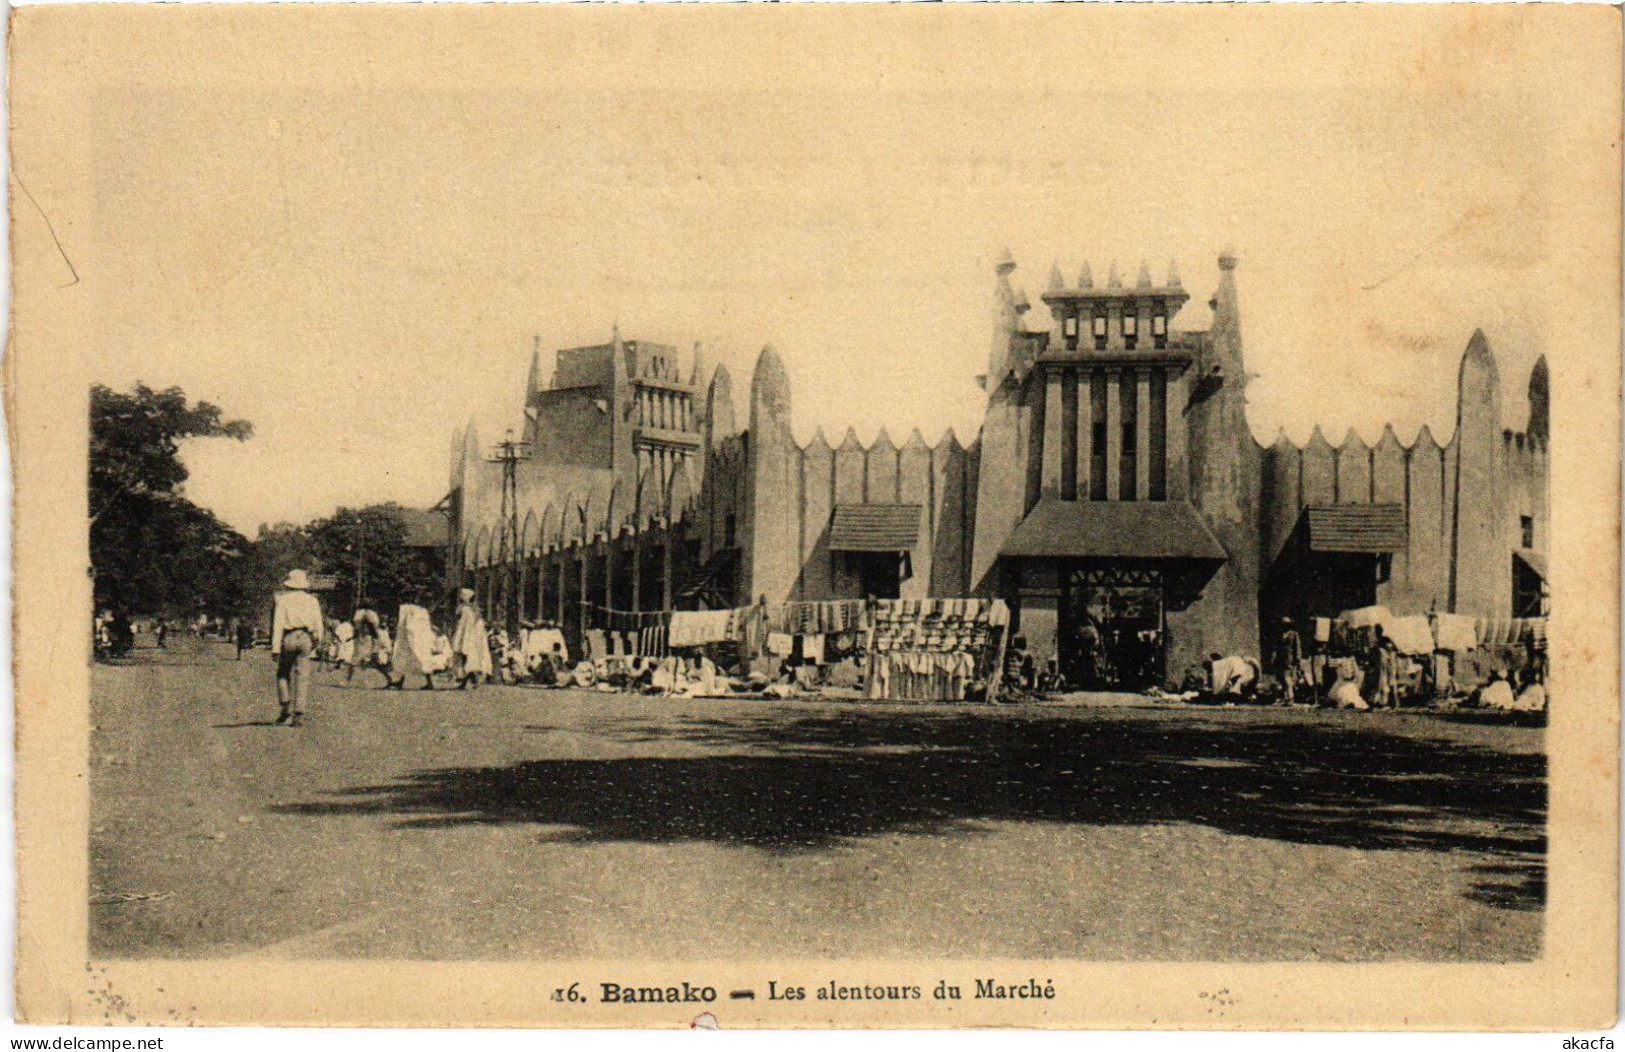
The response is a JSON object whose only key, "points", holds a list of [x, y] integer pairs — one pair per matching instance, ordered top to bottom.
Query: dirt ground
{"points": [[523, 823]]}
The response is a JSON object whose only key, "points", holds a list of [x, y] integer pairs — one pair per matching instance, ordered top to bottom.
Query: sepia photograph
{"points": [[1015, 515]]}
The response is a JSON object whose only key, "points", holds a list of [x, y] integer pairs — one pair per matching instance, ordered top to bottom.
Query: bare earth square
{"points": [[528, 824]]}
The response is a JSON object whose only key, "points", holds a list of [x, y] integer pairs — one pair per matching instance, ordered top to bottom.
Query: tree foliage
{"points": [[135, 441], [370, 544], [151, 549], [155, 552], [161, 554]]}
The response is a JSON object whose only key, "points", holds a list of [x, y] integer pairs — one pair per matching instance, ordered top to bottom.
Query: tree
{"points": [[135, 441], [369, 544], [151, 549], [273, 552], [162, 554]]}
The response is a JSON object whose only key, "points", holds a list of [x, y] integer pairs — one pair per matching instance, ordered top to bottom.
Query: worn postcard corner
{"points": [[759, 516]]}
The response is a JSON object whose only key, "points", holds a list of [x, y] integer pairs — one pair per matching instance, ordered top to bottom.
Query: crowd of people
{"points": [[115, 633], [406, 650], [1361, 660], [1373, 660]]}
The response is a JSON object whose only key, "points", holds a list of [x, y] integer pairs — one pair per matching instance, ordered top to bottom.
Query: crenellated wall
{"points": [[1293, 477], [938, 479], [793, 491], [1464, 500], [748, 514]]}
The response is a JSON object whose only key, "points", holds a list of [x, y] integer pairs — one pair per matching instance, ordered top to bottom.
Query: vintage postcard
{"points": [[817, 516]]}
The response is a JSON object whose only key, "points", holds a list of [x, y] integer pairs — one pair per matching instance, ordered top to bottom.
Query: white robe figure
{"points": [[344, 634], [469, 642], [414, 643], [441, 653]]}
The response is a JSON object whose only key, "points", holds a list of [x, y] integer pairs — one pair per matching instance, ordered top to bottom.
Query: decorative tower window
{"points": [[1131, 325], [1159, 326], [1069, 328], [1100, 330]]}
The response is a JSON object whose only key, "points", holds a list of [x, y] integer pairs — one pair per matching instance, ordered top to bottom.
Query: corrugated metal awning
{"points": [[875, 528], [1104, 529], [1358, 529], [1536, 561]]}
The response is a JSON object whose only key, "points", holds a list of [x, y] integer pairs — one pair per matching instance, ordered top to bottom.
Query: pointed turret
{"points": [[1173, 275], [1112, 279], [1086, 280], [1143, 280], [1056, 282], [1006, 324], [1226, 330], [618, 370], [697, 377], [1479, 377], [534, 383], [769, 391], [719, 408], [1540, 408], [622, 460], [472, 462], [1225, 471], [772, 519], [1477, 533]]}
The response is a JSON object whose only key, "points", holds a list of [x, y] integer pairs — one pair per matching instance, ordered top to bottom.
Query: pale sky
{"points": [[350, 234]]}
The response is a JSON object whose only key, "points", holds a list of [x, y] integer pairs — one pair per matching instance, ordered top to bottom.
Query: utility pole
{"points": [[509, 453], [359, 592]]}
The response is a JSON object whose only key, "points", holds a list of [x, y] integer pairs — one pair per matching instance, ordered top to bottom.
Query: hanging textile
{"points": [[1365, 617], [822, 618], [694, 628], [1457, 633], [1411, 635], [779, 644], [812, 649], [932, 649], [921, 676]]}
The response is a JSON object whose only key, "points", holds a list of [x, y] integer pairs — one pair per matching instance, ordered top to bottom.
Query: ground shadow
{"points": [[800, 782]]}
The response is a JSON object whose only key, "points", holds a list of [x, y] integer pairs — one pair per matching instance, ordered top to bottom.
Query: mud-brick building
{"points": [[1114, 490]]}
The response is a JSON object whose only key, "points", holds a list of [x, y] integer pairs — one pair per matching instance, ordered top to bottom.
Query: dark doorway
{"points": [[879, 574], [1303, 585], [1527, 590], [1111, 628]]}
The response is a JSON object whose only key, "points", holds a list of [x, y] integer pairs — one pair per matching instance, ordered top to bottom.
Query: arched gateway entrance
{"points": [[1111, 630]]}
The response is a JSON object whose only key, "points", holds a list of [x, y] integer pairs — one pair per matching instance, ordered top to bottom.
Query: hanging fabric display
{"points": [[933, 649]]}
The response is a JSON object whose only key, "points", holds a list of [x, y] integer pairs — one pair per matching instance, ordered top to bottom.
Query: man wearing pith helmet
{"points": [[296, 632]]}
